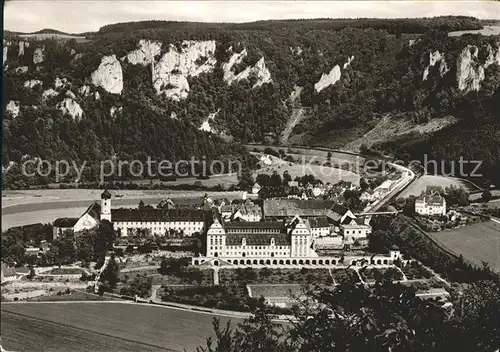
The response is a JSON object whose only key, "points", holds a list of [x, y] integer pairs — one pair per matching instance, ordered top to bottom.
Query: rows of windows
{"points": [[152, 223], [353, 232]]}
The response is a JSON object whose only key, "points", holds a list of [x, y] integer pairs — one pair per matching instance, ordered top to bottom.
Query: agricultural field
{"points": [[420, 184], [477, 243], [102, 326]]}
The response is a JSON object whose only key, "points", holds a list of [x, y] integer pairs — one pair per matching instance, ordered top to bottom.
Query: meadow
{"points": [[420, 184], [477, 243], [102, 327]]}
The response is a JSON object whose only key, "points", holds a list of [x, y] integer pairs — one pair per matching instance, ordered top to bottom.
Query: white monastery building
{"points": [[127, 220]]}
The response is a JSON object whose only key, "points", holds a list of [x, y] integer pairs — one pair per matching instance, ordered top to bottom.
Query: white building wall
{"points": [[85, 222], [159, 227]]}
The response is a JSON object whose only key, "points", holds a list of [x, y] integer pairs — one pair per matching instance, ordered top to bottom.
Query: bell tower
{"points": [[106, 205]]}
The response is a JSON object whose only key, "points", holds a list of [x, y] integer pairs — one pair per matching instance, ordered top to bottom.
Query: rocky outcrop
{"points": [[22, 46], [5, 52], [146, 53], [38, 56], [77, 56], [493, 56], [434, 57], [349, 60], [227, 67], [443, 68], [21, 69], [172, 70], [259, 70], [470, 73], [109, 75], [327, 80], [60, 82], [32, 83], [84, 90], [49, 93], [70, 94], [295, 94], [97, 96], [71, 107], [13, 108], [114, 110], [173, 115], [205, 126]]}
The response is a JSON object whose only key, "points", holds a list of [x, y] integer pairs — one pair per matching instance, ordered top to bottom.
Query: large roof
{"points": [[106, 194], [436, 200], [292, 207], [94, 210], [337, 212], [143, 215], [321, 221], [65, 222], [253, 225], [257, 239]]}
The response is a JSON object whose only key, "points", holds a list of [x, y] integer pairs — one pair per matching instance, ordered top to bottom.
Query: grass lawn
{"points": [[477, 243], [65, 271], [271, 290], [74, 296], [102, 327]]}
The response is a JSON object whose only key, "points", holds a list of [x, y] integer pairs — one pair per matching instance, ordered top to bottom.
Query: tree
{"points": [[286, 177], [245, 179], [456, 196], [486, 196], [141, 204], [106, 238], [65, 248], [110, 274], [385, 317], [257, 333]]}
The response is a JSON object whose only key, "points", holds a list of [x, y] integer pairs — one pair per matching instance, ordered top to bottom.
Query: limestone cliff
{"points": [[145, 54], [38, 56], [470, 71], [170, 73], [109, 75], [328, 79], [71, 107], [13, 108]]}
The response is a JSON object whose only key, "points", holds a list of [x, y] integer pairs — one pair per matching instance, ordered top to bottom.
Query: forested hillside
{"points": [[174, 89]]}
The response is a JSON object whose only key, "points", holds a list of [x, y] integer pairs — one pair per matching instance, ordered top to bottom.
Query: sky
{"points": [[83, 16]]}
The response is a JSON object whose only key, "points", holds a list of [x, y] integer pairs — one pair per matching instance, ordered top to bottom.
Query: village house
{"points": [[430, 204], [347, 224]]}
